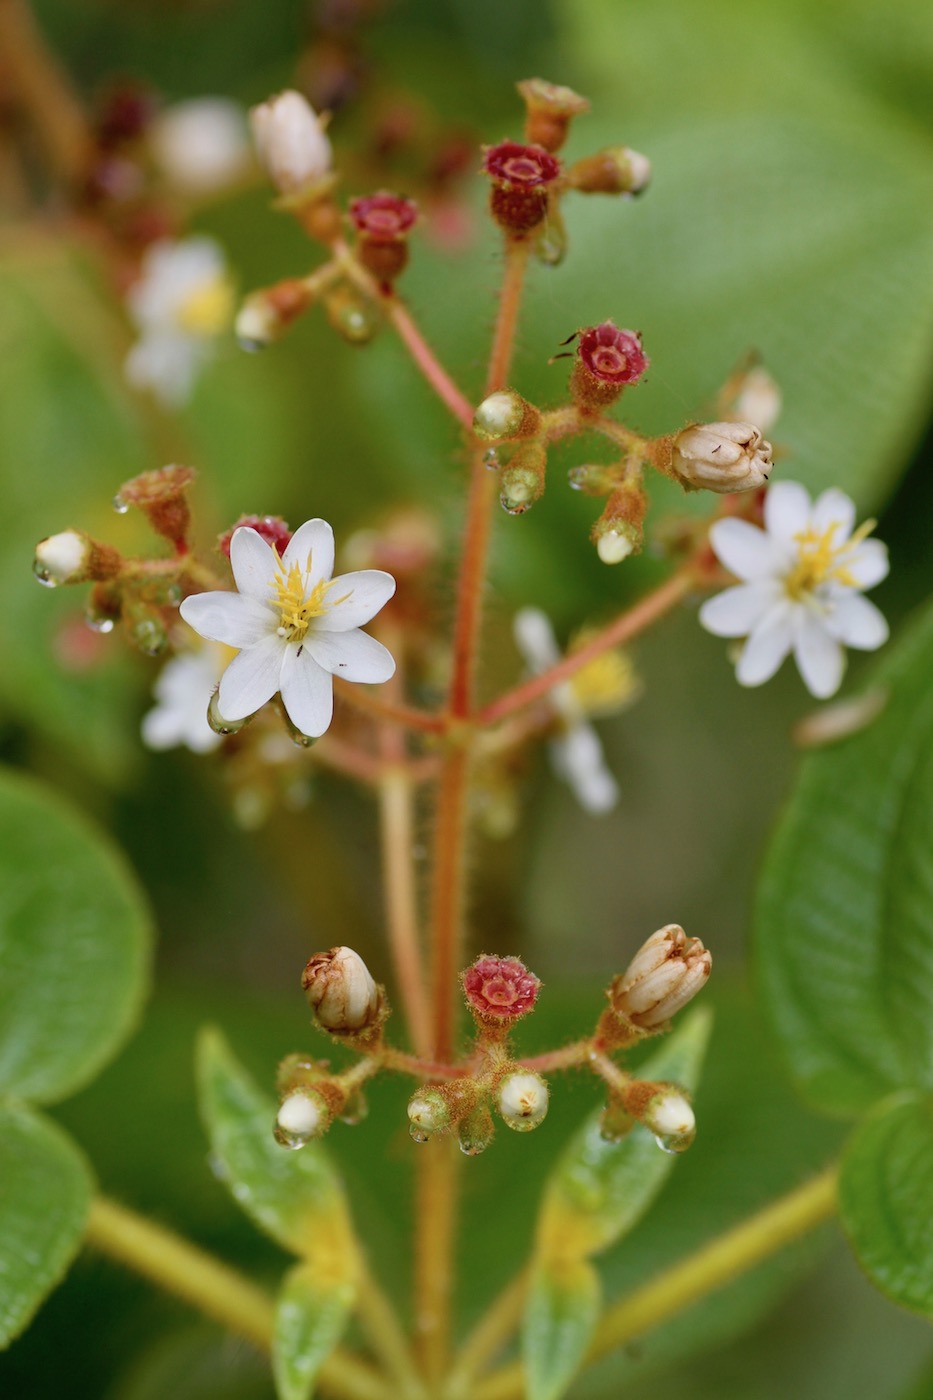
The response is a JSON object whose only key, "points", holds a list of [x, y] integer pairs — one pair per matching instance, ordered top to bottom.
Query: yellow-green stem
{"points": [[397, 831], [438, 1199], [713, 1266], [215, 1289], [380, 1323], [489, 1335]]}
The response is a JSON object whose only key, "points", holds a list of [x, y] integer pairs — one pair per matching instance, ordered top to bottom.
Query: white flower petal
{"points": [[834, 507], [787, 511], [311, 547], [744, 549], [868, 563], [254, 564], [357, 598], [735, 612], [228, 617], [856, 622], [534, 637], [767, 646], [354, 656], [820, 659], [252, 678], [307, 692], [577, 756]]}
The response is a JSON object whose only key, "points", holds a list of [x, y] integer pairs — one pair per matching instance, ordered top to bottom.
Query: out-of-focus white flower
{"points": [[290, 140], [202, 145], [181, 302], [758, 399], [801, 590], [294, 625], [604, 686], [182, 693]]}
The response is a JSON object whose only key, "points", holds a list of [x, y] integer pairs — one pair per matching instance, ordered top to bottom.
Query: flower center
{"points": [[207, 310], [820, 561], [296, 606], [604, 684]]}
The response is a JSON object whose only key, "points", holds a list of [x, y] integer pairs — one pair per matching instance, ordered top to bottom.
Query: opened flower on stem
{"points": [[803, 577], [294, 625]]}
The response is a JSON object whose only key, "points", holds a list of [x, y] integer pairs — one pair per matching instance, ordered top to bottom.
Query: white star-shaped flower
{"points": [[181, 302], [802, 581], [294, 626], [603, 686], [182, 693]]}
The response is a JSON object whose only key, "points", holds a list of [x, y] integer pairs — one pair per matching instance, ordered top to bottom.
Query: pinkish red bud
{"points": [[550, 110], [522, 177], [383, 221], [607, 360], [273, 529], [664, 975], [500, 989]]}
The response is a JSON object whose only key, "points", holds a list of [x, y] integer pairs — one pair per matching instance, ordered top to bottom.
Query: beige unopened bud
{"points": [[290, 141], [617, 170], [757, 399], [505, 414], [721, 457], [73, 557], [664, 975], [340, 991], [523, 1100], [428, 1113], [302, 1115], [670, 1115]]}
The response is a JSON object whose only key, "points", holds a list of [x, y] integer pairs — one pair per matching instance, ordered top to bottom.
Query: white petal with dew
{"points": [[834, 507], [787, 510], [313, 540], [745, 550], [868, 563], [254, 564], [356, 599], [735, 612], [230, 618], [856, 622], [534, 637], [767, 646], [354, 656], [820, 659], [251, 679], [307, 692], [579, 759]]}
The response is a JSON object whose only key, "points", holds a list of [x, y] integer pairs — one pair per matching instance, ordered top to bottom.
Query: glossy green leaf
{"points": [[845, 914], [74, 944], [599, 1190], [45, 1191], [296, 1197], [886, 1199], [561, 1312], [311, 1313]]}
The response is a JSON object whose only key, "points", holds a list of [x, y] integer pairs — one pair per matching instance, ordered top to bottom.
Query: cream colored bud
{"points": [[290, 141], [633, 167], [257, 324], [501, 415], [722, 457], [614, 546], [63, 558], [664, 975], [340, 990], [523, 1100], [428, 1112], [300, 1115], [669, 1115]]}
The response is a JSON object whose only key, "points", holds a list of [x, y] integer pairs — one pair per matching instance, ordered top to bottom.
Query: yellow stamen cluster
{"points": [[208, 309], [821, 561], [296, 606], [605, 684]]}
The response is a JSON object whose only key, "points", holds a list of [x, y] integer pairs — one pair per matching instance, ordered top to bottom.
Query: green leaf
{"points": [[845, 912], [74, 945], [599, 1190], [45, 1191], [296, 1197], [886, 1199], [561, 1312], [311, 1313]]}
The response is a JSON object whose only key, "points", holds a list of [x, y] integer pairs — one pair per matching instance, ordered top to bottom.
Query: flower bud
{"points": [[550, 109], [290, 141], [617, 170], [522, 177], [383, 222], [352, 314], [265, 315], [607, 360], [750, 395], [505, 414], [720, 457], [523, 478], [162, 496], [273, 529], [619, 531], [63, 558], [664, 975], [500, 989], [340, 991], [522, 1100], [428, 1113], [302, 1115], [669, 1116], [476, 1131]]}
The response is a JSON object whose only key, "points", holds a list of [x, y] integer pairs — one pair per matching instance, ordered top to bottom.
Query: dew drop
{"points": [[491, 459], [578, 477], [120, 506], [513, 507], [43, 576], [99, 622], [217, 722], [417, 1134], [290, 1141], [674, 1143], [472, 1147]]}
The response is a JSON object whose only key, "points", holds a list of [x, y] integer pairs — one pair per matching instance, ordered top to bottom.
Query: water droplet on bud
{"points": [[491, 459], [578, 478], [120, 506], [512, 507], [43, 576], [99, 622], [149, 636], [217, 722], [354, 1110], [417, 1134], [290, 1141], [674, 1143]]}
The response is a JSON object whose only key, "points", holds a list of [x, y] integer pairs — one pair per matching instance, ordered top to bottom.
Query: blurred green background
{"points": [[789, 214]]}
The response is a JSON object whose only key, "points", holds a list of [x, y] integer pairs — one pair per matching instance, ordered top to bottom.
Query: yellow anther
{"points": [[208, 309], [821, 561], [296, 606], [605, 684]]}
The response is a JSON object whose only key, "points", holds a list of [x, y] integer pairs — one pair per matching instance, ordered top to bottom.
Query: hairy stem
{"points": [[41, 86], [427, 362], [397, 829], [438, 1198], [712, 1266], [214, 1288]]}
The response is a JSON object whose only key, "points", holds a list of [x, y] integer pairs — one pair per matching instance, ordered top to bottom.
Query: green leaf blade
{"points": [[74, 945], [45, 1192], [886, 1199], [311, 1314], [560, 1318]]}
